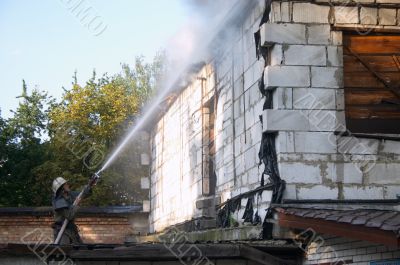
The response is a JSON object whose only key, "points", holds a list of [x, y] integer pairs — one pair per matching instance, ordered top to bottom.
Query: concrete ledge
{"points": [[226, 234]]}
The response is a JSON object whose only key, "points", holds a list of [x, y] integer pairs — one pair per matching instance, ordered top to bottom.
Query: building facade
{"points": [[298, 109], [281, 147]]}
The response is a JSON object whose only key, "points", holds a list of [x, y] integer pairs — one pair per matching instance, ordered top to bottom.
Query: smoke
{"points": [[210, 29], [190, 43]]}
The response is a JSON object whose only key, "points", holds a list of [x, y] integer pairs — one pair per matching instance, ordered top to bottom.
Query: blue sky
{"points": [[43, 42]]}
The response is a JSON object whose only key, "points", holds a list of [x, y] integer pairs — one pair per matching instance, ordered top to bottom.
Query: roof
{"points": [[381, 3], [47, 210], [384, 220], [380, 226], [181, 251]]}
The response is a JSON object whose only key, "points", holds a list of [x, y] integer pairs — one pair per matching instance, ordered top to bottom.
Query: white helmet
{"points": [[57, 183]]}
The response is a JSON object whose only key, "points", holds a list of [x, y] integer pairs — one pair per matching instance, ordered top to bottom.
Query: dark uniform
{"points": [[63, 209]]}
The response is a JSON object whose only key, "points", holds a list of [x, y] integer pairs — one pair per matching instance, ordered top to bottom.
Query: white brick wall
{"points": [[305, 58], [305, 117], [335, 249]]}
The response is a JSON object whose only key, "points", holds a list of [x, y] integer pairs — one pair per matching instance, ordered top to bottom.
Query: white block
{"points": [[364, 1], [387, 1], [286, 11], [310, 13], [275, 14], [346, 15], [369, 16], [387, 17], [282, 33], [319, 34], [336, 37], [305, 55], [276, 56], [335, 56], [286, 76], [331, 77], [255, 95], [283, 98], [320, 98], [340, 99], [284, 120], [326, 120], [239, 125], [284, 142], [314, 142], [357, 146], [390, 147], [250, 158], [144, 159], [297, 172], [349, 173], [384, 173], [253, 176], [144, 183], [290, 192], [318, 192], [391, 192], [362, 193], [266, 196], [146, 206]]}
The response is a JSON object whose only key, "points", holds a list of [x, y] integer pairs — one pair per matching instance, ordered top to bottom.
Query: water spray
{"points": [[235, 7]]}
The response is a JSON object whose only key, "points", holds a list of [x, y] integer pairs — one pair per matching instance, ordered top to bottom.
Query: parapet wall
{"points": [[100, 228]]}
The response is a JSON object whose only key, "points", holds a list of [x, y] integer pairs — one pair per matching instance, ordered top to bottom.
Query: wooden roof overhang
{"points": [[347, 224]]}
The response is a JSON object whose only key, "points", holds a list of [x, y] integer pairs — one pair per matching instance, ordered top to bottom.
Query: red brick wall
{"points": [[93, 229]]}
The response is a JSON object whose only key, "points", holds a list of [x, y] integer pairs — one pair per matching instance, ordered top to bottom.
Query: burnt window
{"points": [[372, 82], [209, 175]]}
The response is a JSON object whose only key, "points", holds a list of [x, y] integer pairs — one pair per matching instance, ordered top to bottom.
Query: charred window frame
{"points": [[372, 82], [209, 175]]}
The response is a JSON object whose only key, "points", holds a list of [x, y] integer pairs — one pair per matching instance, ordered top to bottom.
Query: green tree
{"points": [[88, 124], [71, 138], [22, 148]]}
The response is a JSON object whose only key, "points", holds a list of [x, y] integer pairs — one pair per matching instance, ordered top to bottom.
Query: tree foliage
{"points": [[71, 138], [22, 148]]}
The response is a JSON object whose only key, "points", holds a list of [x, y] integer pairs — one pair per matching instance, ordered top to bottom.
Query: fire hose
{"points": [[93, 180]]}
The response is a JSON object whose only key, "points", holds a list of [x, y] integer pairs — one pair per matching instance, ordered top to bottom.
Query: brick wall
{"points": [[179, 141], [93, 229], [333, 250]]}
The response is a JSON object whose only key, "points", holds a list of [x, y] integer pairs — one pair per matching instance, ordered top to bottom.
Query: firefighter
{"points": [[63, 208]]}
